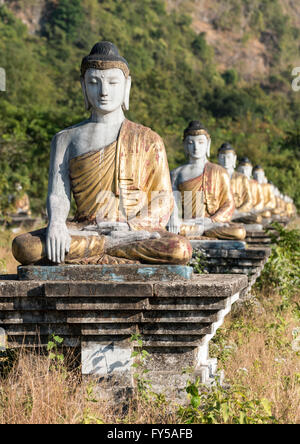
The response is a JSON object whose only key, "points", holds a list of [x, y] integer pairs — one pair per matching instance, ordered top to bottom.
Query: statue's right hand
{"points": [[174, 225], [58, 241]]}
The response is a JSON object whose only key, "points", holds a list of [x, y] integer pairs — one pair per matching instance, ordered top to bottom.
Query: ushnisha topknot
{"points": [[104, 55], [195, 128], [226, 148], [245, 161], [257, 168]]}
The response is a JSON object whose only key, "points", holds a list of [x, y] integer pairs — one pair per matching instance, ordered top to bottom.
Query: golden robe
{"points": [[132, 177], [127, 181], [241, 191], [257, 195], [210, 196], [269, 196], [269, 200], [21, 204], [280, 208], [290, 209]]}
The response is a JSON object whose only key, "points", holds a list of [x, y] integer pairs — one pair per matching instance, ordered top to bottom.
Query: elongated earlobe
{"points": [[86, 100], [125, 105], [208, 148], [186, 151], [234, 163]]}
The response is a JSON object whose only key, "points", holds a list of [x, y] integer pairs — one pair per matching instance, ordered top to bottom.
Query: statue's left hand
{"points": [[58, 241]]}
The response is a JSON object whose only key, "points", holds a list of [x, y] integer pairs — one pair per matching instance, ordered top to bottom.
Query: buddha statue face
{"points": [[106, 90], [197, 147], [227, 160], [246, 170], [259, 175], [18, 187]]}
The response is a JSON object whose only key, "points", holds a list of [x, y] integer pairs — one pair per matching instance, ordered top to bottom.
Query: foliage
{"points": [[199, 262], [283, 267], [53, 348], [140, 356], [227, 406], [88, 417]]}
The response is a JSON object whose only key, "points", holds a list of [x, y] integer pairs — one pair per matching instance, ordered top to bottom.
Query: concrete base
{"points": [[253, 227], [260, 237], [218, 244], [249, 261], [112, 273], [175, 320]]}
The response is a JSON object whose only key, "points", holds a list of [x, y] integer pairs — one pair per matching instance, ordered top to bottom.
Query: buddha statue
{"points": [[245, 167], [118, 173], [240, 185], [269, 197], [20, 202], [204, 203], [287, 207], [290, 207], [280, 210]]}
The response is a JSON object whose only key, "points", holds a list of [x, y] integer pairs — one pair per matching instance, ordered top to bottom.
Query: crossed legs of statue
{"points": [[228, 231], [91, 248]]}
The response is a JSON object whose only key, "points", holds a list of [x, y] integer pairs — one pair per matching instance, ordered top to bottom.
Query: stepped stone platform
{"points": [[24, 222], [258, 237], [226, 257], [117, 273], [175, 317]]}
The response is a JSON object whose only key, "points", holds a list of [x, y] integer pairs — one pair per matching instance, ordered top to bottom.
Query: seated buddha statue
{"points": [[245, 167], [118, 173], [240, 185], [269, 196], [20, 203], [204, 203], [290, 207], [280, 210]]}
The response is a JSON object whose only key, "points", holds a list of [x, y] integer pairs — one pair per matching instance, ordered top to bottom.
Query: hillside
{"points": [[246, 36], [257, 38], [229, 66]]}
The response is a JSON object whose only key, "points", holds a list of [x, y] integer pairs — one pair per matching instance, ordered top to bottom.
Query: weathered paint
{"points": [[218, 244], [147, 271], [113, 273]]}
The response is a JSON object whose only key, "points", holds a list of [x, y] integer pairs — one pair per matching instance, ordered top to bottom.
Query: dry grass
{"points": [[8, 264], [256, 347], [257, 350], [37, 391]]}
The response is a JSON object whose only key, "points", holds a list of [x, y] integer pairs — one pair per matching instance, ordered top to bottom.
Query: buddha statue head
{"points": [[105, 79], [196, 141], [227, 157], [245, 167], [259, 174], [18, 187], [275, 190]]}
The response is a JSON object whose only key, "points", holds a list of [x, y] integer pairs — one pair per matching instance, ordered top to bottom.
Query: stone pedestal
{"points": [[23, 222], [258, 237], [249, 260], [176, 318]]}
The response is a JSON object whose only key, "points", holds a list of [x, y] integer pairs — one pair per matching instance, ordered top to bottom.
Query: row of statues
{"points": [[125, 195], [216, 195]]}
